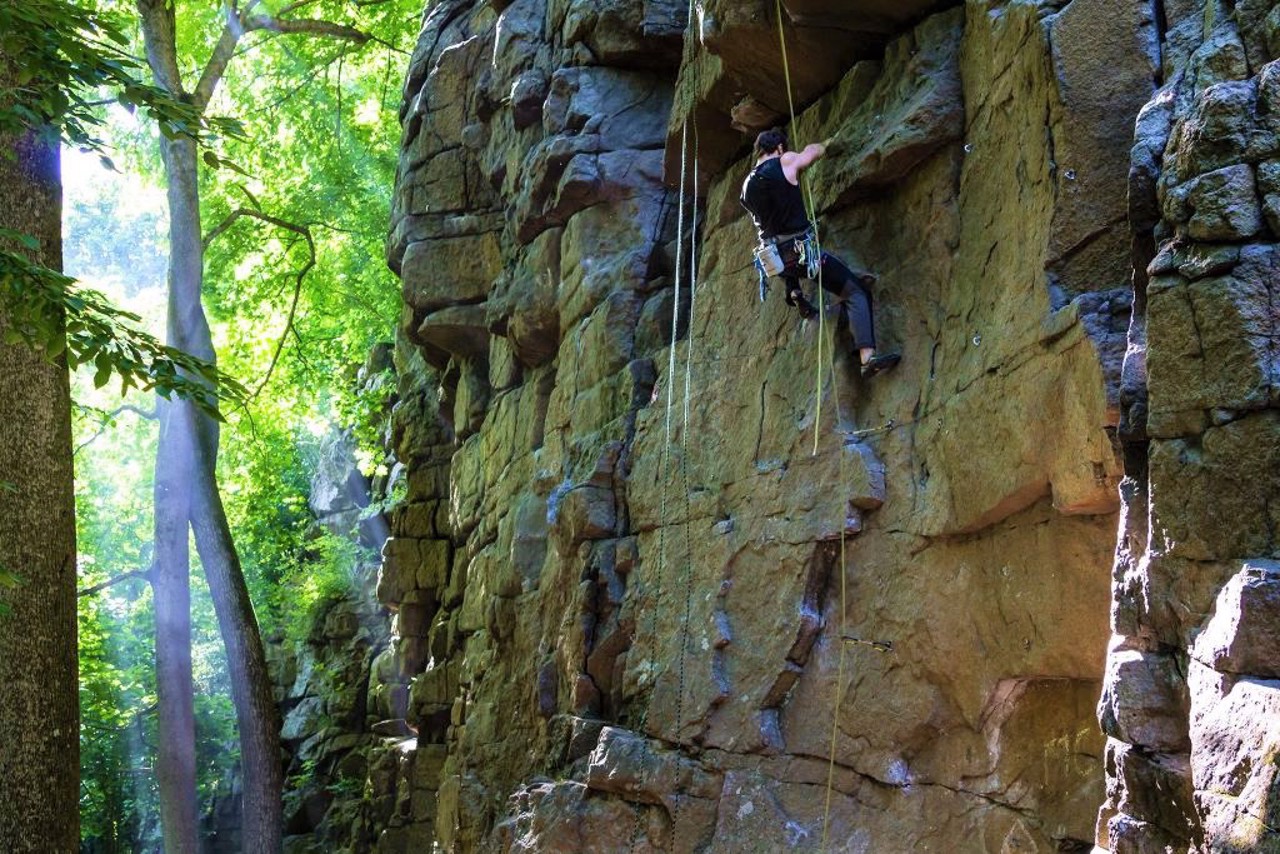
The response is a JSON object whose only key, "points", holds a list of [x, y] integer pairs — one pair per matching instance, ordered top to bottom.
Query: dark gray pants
{"points": [[850, 293]]}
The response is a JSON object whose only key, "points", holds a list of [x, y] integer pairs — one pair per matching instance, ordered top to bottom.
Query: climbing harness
{"points": [[813, 223], [811, 253], [776, 255], [770, 262]]}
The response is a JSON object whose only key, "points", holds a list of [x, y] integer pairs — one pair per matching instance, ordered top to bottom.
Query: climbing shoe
{"points": [[878, 363]]}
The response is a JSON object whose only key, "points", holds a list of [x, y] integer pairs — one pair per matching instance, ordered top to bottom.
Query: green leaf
{"points": [[234, 168], [9, 579]]}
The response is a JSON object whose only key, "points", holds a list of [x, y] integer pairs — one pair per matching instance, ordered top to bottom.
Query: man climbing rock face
{"points": [[772, 195]]}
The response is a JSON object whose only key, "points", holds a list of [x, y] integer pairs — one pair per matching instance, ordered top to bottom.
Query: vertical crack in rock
{"points": [[989, 159], [809, 618], [1185, 718]]}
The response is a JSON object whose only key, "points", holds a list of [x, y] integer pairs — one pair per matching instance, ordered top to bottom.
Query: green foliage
{"points": [[63, 53], [60, 54], [319, 152], [37, 299], [368, 416]]}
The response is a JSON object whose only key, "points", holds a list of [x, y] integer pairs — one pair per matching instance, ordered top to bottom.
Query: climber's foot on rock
{"points": [[878, 363]]}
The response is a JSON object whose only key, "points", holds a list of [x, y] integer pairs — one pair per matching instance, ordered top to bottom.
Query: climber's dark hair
{"points": [[768, 141]]}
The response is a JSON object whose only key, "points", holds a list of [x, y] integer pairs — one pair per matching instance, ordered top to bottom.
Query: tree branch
{"points": [[290, 8], [239, 22], [306, 26], [388, 45], [222, 52], [231, 218], [305, 233], [149, 414], [98, 588]]}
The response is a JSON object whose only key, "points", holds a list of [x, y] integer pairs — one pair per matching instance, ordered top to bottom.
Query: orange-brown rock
{"points": [[670, 576]]}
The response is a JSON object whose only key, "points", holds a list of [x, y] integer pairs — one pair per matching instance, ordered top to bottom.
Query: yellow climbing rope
{"points": [[813, 224], [817, 429], [839, 698]]}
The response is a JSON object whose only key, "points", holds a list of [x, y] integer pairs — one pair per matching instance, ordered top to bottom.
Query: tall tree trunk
{"points": [[188, 451], [171, 583], [39, 710], [256, 712], [176, 753]]}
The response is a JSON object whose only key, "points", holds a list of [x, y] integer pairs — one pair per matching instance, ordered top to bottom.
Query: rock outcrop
{"points": [[668, 576], [1191, 705], [336, 754]]}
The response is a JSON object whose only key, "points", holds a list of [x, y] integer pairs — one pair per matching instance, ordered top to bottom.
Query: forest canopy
{"points": [[296, 125]]}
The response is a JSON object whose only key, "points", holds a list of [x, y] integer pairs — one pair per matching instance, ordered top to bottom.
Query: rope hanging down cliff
{"points": [[807, 192], [664, 466], [845, 638]]}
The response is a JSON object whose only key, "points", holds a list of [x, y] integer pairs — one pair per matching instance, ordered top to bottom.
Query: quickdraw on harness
{"points": [[797, 251]]}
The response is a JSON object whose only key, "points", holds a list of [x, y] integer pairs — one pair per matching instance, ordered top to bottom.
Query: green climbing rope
{"points": [[811, 213]]}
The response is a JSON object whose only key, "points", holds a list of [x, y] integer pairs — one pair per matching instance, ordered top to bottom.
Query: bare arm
{"points": [[795, 162]]}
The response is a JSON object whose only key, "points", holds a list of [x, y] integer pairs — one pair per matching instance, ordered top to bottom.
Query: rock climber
{"points": [[788, 248]]}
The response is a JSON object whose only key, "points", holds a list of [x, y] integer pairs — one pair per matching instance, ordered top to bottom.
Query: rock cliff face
{"points": [[634, 584], [1191, 703]]}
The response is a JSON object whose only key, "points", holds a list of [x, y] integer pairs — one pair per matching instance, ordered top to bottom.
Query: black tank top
{"points": [[776, 205]]}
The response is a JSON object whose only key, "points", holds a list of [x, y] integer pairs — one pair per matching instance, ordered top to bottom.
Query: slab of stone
{"points": [[1224, 205], [450, 271], [460, 330], [1209, 347], [1208, 501], [1243, 636], [1144, 701], [1235, 736], [632, 766], [1154, 788], [564, 816]]}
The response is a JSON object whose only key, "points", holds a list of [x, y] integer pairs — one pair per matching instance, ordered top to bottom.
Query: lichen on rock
{"points": [[669, 576]]}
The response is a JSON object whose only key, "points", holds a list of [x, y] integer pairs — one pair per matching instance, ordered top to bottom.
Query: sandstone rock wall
{"points": [[629, 585], [1191, 705], [336, 753]]}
